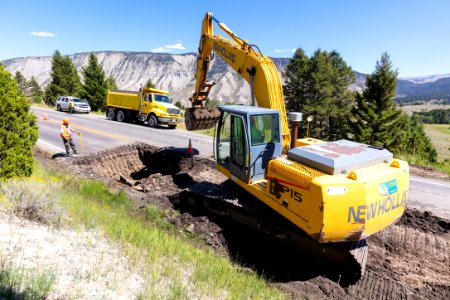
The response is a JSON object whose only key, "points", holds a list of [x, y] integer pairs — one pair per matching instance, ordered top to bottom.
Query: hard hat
{"points": [[66, 121]]}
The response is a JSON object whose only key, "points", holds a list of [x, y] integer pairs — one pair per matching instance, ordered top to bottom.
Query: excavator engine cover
{"points": [[340, 156]]}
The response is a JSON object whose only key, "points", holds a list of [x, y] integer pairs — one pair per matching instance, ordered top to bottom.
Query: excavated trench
{"points": [[409, 260]]}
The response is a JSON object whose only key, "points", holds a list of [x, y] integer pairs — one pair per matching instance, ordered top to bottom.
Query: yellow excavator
{"points": [[335, 193]]}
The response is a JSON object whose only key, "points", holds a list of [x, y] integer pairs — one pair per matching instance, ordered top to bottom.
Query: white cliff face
{"points": [[174, 73]]}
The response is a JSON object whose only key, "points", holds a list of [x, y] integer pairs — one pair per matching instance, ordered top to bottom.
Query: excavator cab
{"points": [[246, 139]]}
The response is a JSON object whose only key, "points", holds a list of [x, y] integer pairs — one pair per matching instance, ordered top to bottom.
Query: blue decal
{"points": [[388, 188]]}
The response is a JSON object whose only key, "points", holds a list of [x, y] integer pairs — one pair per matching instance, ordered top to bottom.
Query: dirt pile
{"points": [[409, 260]]}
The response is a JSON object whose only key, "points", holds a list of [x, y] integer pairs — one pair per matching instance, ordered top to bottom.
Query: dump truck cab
{"points": [[158, 108]]}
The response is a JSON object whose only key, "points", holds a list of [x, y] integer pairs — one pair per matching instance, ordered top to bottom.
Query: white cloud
{"points": [[43, 34], [178, 46], [169, 48], [159, 49], [284, 50]]}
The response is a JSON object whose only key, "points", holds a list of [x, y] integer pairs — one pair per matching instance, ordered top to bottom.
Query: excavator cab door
{"points": [[265, 141], [232, 146]]}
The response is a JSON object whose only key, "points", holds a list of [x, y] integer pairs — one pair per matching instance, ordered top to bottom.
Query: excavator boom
{"points": [[258, 70]]}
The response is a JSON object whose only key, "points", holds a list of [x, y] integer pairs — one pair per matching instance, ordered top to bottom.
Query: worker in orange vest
{"points": [[66, 135]]}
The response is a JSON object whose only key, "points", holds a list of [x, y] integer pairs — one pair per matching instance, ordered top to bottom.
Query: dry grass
{"points": [[409, 109], [440, 137], [32, 199]]}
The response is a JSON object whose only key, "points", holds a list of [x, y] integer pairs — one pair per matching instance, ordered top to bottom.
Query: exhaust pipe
{"points": [[295, 118]]}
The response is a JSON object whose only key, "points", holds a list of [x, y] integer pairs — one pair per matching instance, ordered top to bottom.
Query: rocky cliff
{"points": [[167, 71], [175, 72]]}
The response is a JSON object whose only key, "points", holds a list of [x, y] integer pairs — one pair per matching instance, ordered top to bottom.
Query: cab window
{"points": [[161, 98], [264, 129], [224, 138], [238, 142]]}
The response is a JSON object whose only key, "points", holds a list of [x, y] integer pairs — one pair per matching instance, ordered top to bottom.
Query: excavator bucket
{"points": [[201, 118]]}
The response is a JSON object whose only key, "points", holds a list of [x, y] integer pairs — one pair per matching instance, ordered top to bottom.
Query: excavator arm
{"points": [[258, 70]]}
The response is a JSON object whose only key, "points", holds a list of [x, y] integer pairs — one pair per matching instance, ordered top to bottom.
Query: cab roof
{"points": [[155, 91], [247, 110]]}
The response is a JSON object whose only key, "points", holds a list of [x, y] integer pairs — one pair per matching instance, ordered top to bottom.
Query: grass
{"points": [[53, 107], [409, 109], [208, 132], [440, 137], [174, 264], [19, 284]]}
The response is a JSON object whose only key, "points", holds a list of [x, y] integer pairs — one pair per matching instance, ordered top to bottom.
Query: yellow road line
{"points": [[110, 135]]}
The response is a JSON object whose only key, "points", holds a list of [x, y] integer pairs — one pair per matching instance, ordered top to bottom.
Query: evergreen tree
{"points": [[64, 79], [21, 82], [111, 83], [149, 84], [95, 85], [318, 87], [36, 93], [179, 105], [375, 115], [375, 119], [18, 129], [413, 141]]}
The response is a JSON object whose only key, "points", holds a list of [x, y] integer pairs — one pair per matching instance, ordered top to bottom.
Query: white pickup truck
{"points": [[72, 105]]}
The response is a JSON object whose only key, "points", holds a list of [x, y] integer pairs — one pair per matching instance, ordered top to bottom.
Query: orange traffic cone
{"points": [[45, 117], [189, 150]]}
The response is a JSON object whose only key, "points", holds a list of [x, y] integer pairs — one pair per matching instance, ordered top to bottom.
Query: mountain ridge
{"points": [[175, 72]]}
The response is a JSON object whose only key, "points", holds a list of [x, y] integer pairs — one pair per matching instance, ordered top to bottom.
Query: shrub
{"points": [[18, 129], [31, 200]]}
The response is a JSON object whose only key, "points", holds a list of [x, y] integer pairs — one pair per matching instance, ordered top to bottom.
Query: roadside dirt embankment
{"points": [[409, 260]]}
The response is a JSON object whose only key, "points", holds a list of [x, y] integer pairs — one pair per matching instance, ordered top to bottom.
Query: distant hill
{"points": [[175, 72], [409, 91]]}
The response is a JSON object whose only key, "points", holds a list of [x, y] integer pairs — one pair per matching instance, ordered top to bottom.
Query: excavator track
{"points": [[201, 118], [228, 201]]}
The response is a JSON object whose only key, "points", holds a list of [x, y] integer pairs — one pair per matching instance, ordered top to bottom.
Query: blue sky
{"points": [[416, 34]]}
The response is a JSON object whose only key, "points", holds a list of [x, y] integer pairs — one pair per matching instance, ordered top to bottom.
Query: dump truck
{"points": [[147, 105]]}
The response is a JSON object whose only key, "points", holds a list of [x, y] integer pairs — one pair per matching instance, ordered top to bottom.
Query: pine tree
{"points": [[64, 79], [21, 82], [72, 83], [111, 83], [149, 84], [94, 86], [318, 87], [36, 93], [375, 115], [375, 119], [18, 129], [413, 141]]}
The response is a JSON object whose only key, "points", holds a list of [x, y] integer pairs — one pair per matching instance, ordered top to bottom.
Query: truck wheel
{"points": [[58, 107], [110, 115], [120, 116], [152, 121], [172, 126]]}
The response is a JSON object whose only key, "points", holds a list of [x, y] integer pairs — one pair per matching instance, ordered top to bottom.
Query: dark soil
{"points": [[424, 221], [409, 260]]}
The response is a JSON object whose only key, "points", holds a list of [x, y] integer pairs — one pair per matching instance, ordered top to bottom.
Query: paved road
{"points": [[100, 134], [430, 194]]}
